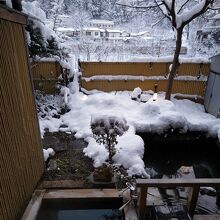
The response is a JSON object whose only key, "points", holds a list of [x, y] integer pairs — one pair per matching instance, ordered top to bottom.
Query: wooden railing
{"points": [[144, 184]]}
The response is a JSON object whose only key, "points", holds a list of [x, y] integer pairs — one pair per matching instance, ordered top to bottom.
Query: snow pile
{"points": [[65, 92], [136, 93], [153, 116], [96, 151], [48, 153], [129, 153]]}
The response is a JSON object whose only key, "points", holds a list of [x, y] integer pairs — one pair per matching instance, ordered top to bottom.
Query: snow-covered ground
{"points": [[153, 116]]}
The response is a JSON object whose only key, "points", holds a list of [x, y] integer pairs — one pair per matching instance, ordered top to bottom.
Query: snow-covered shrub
{"points": [[106, 129]]}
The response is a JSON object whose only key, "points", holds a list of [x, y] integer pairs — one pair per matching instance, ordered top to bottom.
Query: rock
{"points": [[50, 141], [77, 144], [52, 165]]}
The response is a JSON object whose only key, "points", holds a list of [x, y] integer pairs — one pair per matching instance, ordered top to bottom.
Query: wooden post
{"points": [[192, 200], [142, 203], [34, 205]]}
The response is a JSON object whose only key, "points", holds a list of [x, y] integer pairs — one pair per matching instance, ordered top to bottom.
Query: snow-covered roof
{"points": [[64, 16], [101, 22], [63, 29], [93, 29], [113, 31], [140, 33], [115, 38], [148, 38]]}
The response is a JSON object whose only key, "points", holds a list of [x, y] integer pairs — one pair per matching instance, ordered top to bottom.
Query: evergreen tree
{"points": [[37, 45], [52, 48]]}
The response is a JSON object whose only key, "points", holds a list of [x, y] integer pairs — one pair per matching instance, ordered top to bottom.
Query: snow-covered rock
{"points": [[48, 153]]}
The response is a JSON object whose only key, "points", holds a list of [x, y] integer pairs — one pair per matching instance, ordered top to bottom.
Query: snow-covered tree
{"points": [[55, 11], [180, 15], [79, 19], [37, 46]]}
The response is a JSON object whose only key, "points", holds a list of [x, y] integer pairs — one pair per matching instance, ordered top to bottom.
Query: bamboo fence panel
{"points": [[124, 68], [141, 69], [193, 69], [45, 70], [45, 75], [179, 86], [191, 87], [21, 157]]}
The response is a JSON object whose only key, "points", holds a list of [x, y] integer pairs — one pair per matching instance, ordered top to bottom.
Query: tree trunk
{"points": [[175, 63]]}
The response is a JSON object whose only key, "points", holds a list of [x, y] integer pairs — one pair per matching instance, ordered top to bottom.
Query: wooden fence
{"points": [[45, 75], [145, 76], [21, 157], [144, 184]]}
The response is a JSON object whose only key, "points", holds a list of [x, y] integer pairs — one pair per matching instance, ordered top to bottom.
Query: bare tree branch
{"points": [[160, 4], [182, 6], [138, 7], [211, 8], [158, 21]]}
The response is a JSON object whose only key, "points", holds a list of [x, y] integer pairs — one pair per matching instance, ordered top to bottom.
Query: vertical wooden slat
{"points": [[21, 158], [192, 199], [142, 203]]}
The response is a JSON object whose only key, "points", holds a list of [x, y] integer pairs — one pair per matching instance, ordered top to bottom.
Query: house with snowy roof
{"points": [[105, 24], [67, 31], [141, 34]]}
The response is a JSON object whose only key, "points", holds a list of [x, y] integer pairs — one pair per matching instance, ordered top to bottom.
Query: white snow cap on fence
{"points": [[170, 59]]}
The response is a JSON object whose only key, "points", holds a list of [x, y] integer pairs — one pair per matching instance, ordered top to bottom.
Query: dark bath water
{"points": [[167, 153], [81, 209]]}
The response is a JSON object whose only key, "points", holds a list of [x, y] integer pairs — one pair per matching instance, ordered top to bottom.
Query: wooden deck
{"points": [[195, 184]]}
